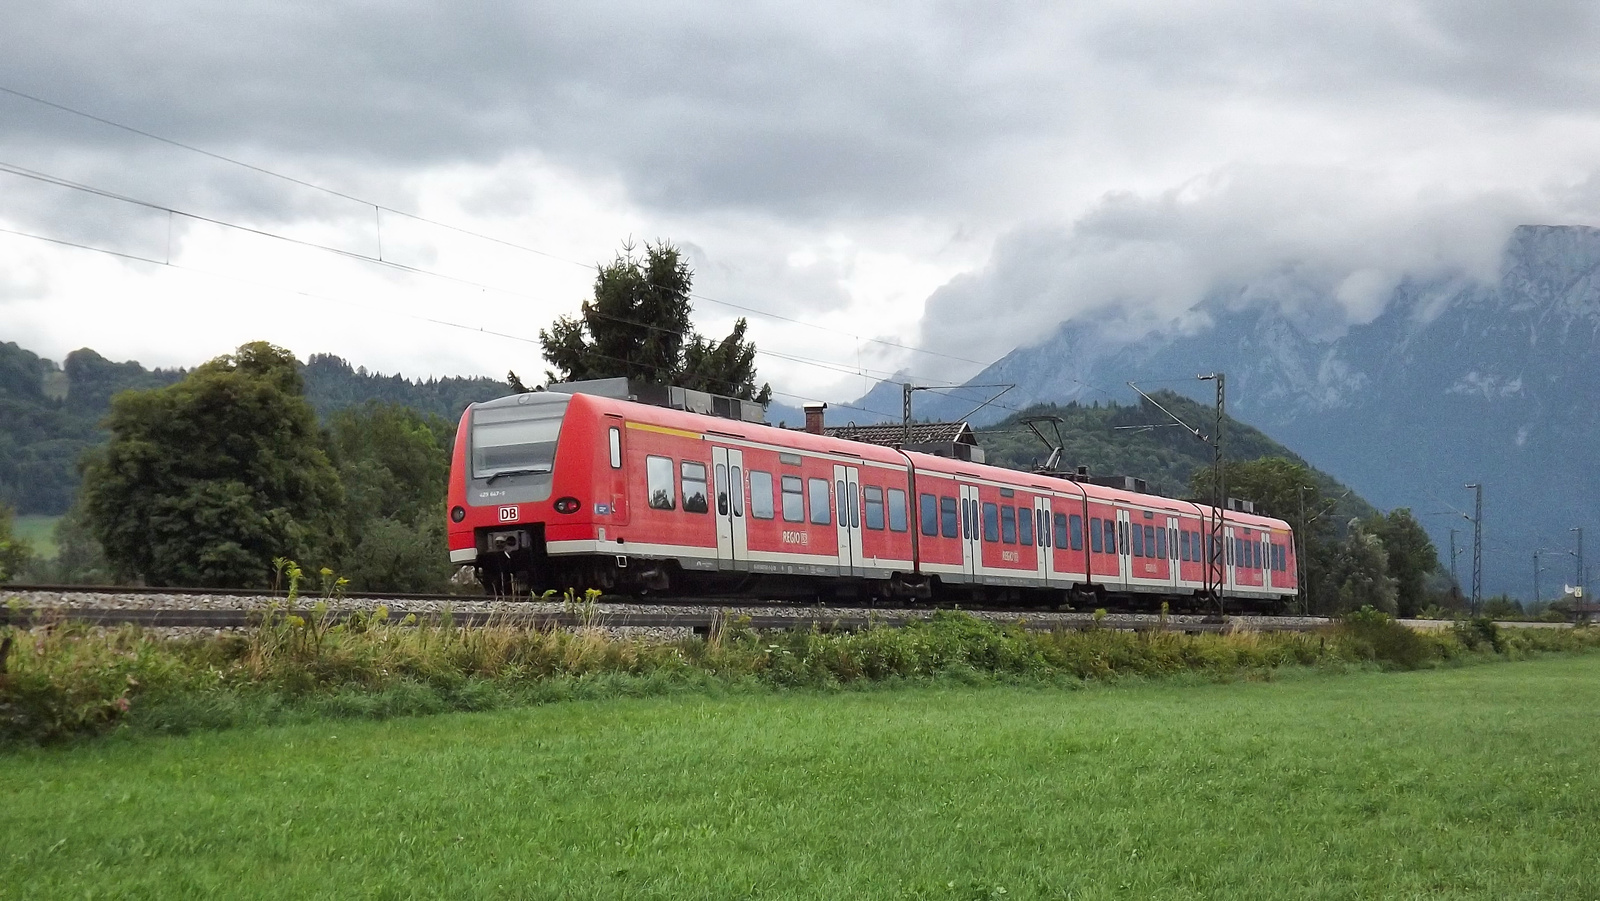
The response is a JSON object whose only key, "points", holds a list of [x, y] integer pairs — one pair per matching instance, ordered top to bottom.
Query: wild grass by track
{"points": [[1466, 782]]}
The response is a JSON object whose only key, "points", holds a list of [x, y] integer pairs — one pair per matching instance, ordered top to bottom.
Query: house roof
{"points": [[892, 434]]}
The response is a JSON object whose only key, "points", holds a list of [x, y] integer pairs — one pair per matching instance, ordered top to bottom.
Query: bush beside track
{"points": [[72, 680]]}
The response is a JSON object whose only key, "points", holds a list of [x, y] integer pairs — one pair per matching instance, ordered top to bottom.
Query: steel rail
{"points": [[700, 622]]}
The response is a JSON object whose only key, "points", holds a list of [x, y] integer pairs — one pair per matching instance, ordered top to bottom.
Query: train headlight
{"points": [[568, 505], [457, 514]]}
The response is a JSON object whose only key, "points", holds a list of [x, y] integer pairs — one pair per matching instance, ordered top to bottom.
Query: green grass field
{"points": [[39, 531], [1478, 781]]}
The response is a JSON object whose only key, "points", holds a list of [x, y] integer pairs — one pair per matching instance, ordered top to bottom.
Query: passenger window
{"points": [[615, 437], [736, 485], [694, 487], [663, 494], [760, 494], [873, 496], [794, 502], [821, 504], [723, 508], [855, 508], [897, 510], [930, 515], [991, 522], [1075, 523], [1008, 524], [949, 526], [1024, 526], [1094, 534], [1111, 536], [1062, 540], [1138, 541], [1161, 541], [1150, 543], [1183, 546]]}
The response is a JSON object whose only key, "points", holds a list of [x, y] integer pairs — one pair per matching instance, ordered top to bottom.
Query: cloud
{"points": [[1322, 244]]}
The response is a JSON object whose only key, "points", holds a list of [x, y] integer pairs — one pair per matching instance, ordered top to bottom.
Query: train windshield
{"points": [[516, 440]]}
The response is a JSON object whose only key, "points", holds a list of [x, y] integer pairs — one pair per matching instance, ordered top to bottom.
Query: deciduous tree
{"points": [[637, 325], [205, 481]]}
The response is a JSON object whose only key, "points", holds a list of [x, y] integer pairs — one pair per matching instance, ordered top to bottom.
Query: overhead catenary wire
{"points": [[47, 178], [384, 208]]}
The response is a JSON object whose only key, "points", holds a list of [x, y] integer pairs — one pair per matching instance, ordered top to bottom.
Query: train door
{"points": [[616, 489], [847, 501], [971, 536], [732, 537], [1041, 537], [1124, 548], [1172, 551], [1229, 559], [1266, 560]]}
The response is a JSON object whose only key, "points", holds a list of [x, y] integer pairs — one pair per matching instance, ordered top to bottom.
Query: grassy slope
{"points": [[39, 531], [1467, 782]]}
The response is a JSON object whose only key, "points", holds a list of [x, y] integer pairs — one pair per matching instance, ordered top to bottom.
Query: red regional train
{"points": [[550, 490]]}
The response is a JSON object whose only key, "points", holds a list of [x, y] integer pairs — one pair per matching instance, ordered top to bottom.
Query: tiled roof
{"points": [[921, 433]]}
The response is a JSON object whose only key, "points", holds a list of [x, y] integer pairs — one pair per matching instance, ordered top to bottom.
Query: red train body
{"points": [[558, 491]]}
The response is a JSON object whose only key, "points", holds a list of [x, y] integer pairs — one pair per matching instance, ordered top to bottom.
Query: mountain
{"points": [[1456, 381], [50, 413]]}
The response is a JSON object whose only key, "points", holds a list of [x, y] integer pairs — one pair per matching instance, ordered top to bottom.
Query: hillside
{"points": [[1456, 381], [50, 413], [1107, 440]]}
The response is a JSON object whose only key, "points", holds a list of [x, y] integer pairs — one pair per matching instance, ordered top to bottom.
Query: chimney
{"points": [[814, 417]]}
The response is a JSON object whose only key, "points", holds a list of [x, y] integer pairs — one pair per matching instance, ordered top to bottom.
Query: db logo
{"points": [[508, 514]]}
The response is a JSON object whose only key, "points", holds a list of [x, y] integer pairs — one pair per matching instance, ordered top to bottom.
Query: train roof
{"points": [[667, 417]]}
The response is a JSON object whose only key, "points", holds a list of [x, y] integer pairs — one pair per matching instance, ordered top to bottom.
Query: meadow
{"points": [[40, 533], [1470, 781]]}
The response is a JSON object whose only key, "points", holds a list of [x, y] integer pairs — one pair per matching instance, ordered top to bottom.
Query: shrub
{"points": [[1372, 635]]}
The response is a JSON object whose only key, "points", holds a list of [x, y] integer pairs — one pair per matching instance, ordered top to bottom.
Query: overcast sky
{"points": [[955, 177]]}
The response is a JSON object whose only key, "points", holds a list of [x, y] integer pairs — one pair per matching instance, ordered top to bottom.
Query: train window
{"points": [[615, 437], [789, 459], [736, 485], [694, 487], [660, 489], [760, 494], [873, 496], [794, 502], [821, 503], [723, 506], [855, 508], [844, 509], [897, 510], [930, 514], [966, 519], [972, 520], [948, 522], [991, 522], [1008, 524], [1024, 526], [1075, 526], [1044, 529], [1094, 534], [1111, 536], [1062, 540], [1138, 541], [1149, 541], [1161, 541], [1183, 546]]}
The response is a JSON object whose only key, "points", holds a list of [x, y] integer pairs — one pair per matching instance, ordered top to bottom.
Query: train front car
{"points": [[515, 479]]}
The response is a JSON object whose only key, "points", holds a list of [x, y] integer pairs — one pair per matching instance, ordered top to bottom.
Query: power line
{"points": [[446, 225], [348, 254], [323, 297]]}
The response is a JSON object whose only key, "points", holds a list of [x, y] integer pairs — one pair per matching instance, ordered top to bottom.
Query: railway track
{"points": [[228, 609], [699, 622]]}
